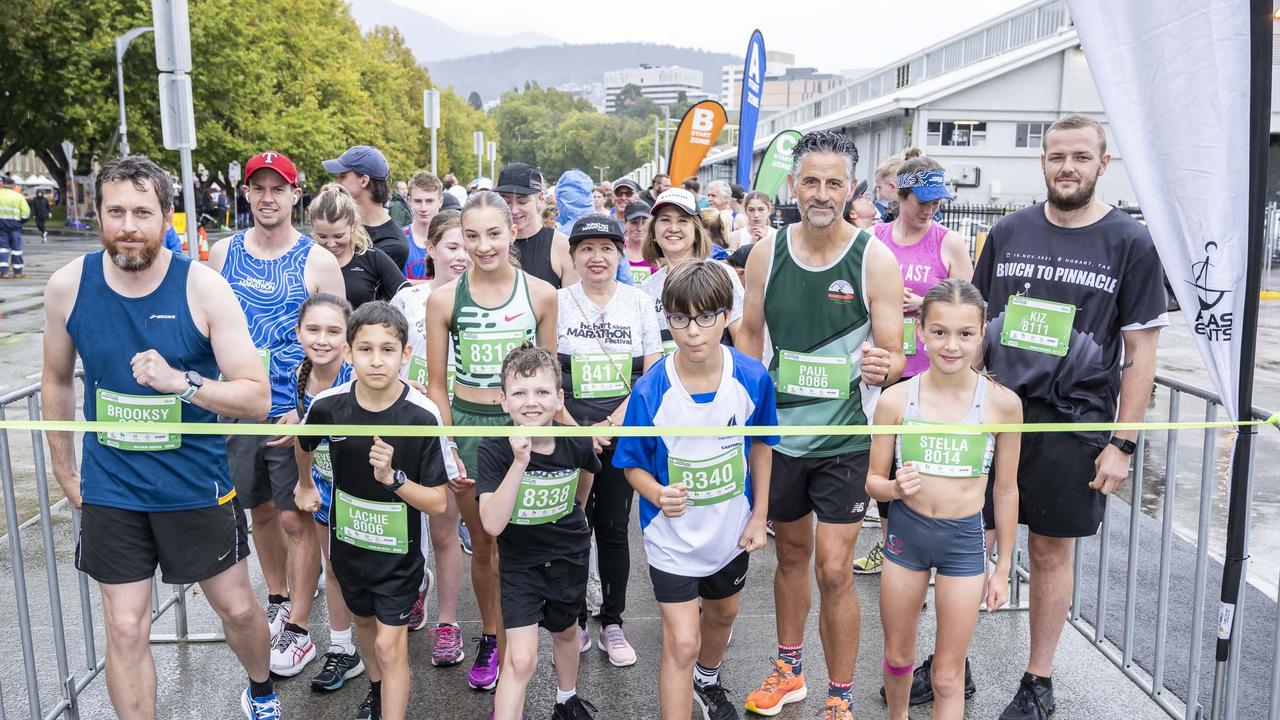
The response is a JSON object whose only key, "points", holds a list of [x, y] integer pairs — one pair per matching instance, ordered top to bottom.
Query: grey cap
{"points": [[362, 160]]}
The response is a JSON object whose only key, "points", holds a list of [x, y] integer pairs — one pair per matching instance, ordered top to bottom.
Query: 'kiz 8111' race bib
{"points": [[1041, 326], [119, 407], [710, 481], [545, 497]]}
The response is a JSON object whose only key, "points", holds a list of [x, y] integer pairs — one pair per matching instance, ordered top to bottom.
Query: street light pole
{"points": [[122, 44], [601, 169]]}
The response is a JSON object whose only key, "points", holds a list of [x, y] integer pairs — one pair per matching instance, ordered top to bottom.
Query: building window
{"points": [[904, 75], [958, 133], [1030, 134]]}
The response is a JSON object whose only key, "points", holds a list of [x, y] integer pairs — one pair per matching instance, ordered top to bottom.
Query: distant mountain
{"points": [[430, 39], [495, 73]]}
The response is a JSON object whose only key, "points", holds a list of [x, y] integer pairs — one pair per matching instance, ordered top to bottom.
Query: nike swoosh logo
{"points": [[509, 318], [224, 555], [738, 581], [405, 615]]}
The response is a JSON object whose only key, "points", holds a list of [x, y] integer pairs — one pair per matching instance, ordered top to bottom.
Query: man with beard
{"points": [[661, 183], [542, 251], [272, 268], [1074, 289], [828, 296], [161, 338]]}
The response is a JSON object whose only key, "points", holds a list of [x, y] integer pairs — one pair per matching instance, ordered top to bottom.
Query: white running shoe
{"points": [[277, 616], [291, 652]]}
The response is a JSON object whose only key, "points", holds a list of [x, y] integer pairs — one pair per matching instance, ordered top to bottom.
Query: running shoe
{"points": [[872, 518], [464, 537], [871, 563], [595, 596], [418, 613], [277, 616], [584, 640], [614, 643], [446, 645], [291, 652], [339, 667], [484, 671], [922, 683], [781, 687], [714, 701], [1033, 701], [266, 707], [575, 708], [836, 709], [366, 711]]}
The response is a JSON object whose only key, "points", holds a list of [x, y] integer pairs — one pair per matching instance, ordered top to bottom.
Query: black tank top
{"points": [[534, 253]]}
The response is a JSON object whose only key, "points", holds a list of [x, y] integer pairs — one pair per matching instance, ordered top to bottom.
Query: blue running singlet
{"points": [[270, 293], [144, 472]]}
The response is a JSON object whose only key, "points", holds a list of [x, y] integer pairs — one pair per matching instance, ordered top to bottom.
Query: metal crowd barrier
{"points": [[1152, 671], [72, 675]]}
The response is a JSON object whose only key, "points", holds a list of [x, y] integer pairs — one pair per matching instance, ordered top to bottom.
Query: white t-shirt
{"points": [[412, 301], [624, 327]]}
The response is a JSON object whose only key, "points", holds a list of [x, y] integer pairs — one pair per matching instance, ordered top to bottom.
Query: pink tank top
{"points": [[922, 268]]}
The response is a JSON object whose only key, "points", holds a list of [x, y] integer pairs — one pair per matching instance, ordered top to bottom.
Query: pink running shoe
{"points": [[446, 645]]}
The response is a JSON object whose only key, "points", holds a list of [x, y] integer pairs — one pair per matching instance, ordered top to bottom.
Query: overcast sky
{"points": [[828, 34]]}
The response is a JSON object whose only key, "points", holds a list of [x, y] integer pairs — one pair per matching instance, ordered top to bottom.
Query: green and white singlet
{"points": [[817, 319], [482, 337]]}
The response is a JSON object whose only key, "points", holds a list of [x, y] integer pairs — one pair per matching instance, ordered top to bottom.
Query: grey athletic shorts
{"points": [[954, 547]]}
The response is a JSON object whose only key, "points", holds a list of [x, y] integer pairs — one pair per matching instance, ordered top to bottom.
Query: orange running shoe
{"points": [[782, 686], [836, 709]]}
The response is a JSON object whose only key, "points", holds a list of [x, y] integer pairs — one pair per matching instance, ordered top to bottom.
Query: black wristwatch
{"points": [[194, 382], [1128, 447], [398, 479]]}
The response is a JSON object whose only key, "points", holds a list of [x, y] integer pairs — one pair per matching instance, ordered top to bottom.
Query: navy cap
{"points": [[362, 160], [519, 178], [627, 183], [596, 225]]}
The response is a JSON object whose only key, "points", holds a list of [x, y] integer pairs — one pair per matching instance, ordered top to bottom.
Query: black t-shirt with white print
{"points": [[1108, 271], [371, 275], [425, 460], [568, 538]]}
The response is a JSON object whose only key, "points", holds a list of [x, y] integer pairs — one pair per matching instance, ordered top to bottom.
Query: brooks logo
{"points": [[163, 317]]}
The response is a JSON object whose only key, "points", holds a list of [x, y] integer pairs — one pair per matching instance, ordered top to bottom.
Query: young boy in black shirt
{"points": [[379, 488], [531, 492]]}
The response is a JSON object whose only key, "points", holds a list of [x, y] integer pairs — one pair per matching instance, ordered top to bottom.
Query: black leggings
{"points": [[609, 514]]}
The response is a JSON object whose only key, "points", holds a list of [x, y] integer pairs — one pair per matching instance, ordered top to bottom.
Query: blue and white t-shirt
{"points": [[714, 470]]}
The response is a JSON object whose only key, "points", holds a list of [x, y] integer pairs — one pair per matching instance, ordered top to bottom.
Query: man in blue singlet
{"points": [[272, 268], [153, 331]]}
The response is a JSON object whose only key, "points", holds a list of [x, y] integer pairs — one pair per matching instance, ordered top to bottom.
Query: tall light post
{"points": [[122, 44], [477, 138], [492, 148], [601, 168]]}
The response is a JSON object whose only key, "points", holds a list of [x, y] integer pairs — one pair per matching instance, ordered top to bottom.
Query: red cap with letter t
{"points": [[272, 160]]}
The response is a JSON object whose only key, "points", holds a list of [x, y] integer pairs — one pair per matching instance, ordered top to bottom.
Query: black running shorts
{"points": [[833, 488], [118, 546], [724, 583], [550, 594]]}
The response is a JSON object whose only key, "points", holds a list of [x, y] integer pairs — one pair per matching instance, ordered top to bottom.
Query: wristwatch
{"points": [[194, 382], [1128, 447], [398, 479]]}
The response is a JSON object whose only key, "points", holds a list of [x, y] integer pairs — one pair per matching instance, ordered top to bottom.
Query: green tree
{"points": [[474, 100]]}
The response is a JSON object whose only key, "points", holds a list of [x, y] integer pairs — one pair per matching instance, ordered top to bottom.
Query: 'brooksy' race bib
{"points": [[1041, 326], [909, 335], [484, 350], [596, 375], [816, 376], [118, 407], [949, 455], [711, 481], [545, 497], [369, 525]]}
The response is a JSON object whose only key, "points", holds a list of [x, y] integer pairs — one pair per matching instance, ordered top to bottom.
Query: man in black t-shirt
{"points": [[363, 172], [1075, 303], [531, 493]]}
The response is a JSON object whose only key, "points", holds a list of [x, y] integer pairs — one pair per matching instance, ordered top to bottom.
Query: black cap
{"points": [[520, 179], [637, 208], [596, 225], [739, 257]]}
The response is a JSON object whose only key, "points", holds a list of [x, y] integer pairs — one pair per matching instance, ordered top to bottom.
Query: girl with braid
{"points": [[322, 332]]}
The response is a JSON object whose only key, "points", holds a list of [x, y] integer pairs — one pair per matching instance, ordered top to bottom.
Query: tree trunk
{"points": [[9, 151], [56, 162]]}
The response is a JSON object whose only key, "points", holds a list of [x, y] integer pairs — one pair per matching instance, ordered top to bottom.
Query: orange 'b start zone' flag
{"points": [[698, 131]]}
